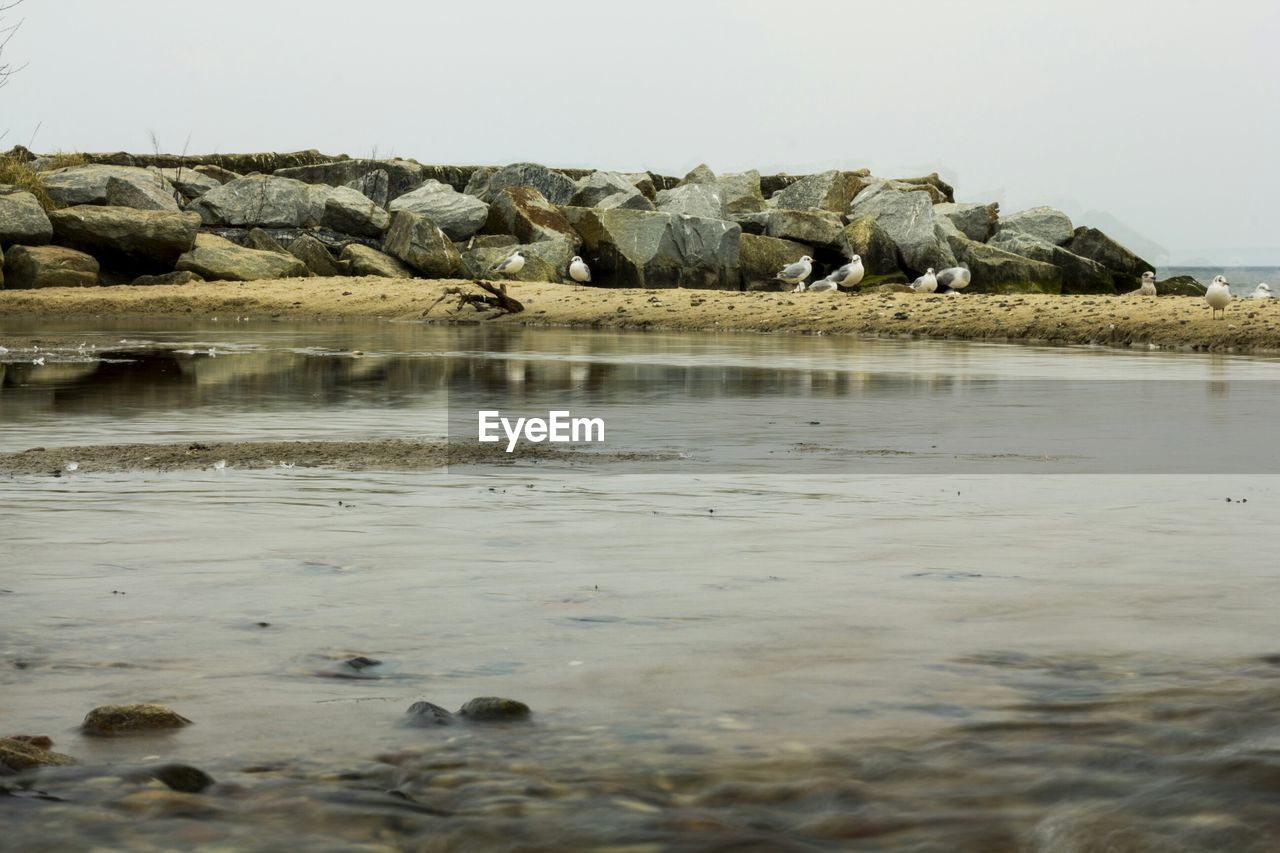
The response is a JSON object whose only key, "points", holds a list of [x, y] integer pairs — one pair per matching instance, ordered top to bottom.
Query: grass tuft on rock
{"points": [[20, 174]]}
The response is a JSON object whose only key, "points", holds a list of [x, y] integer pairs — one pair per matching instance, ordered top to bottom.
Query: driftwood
{"points": [[497, 299]]}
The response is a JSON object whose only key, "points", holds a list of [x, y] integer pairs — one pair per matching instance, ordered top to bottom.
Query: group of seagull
{"points": [[950, 281]]}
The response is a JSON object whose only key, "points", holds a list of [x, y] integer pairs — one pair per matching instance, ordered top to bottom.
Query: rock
{"points": [[219, 174], [699, 174], [402, 175], [478, 181], [642, 181], [189, 182], [75, 185], [771, 185], [375, 186], [555, 187], [610, 189], [833, 190], [945, 191], [741, 192], [124, 194], [262, 200], [692, 200], [349, 211], [523, 211], [457, 214], [908, 219], [23, 220], [975, 221], [1043, 223], [815, 226], [154, 234], [863, 237], [490, 241], [263, 242], [419, 243], [1098, 247], [636, 248], [312, 252], [760, 258], [217, 259], [546, 260], [365, 261], [48, 266], [997, 271], [1079, 275], [177, 277], [1180, 285], [493, 709], [425, 714], [131, 719], [25, 753], [179, 777]]}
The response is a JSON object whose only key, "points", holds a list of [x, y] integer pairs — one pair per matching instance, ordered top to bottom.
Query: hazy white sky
{"points": [[1158, 116]]}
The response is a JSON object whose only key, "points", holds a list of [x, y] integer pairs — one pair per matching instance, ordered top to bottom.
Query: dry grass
{"points": [[62, 159], [21, 174]]}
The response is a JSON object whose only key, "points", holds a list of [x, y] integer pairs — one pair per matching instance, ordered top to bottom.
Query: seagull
{"points": [[512, 265], [579, 271], [796, 273], [849, 274], [954, 279], [927, 283], [825, 285], [1148, 286], [1262, 291], [1218, 295], [38, 362], [220, 465], [73, 466]]}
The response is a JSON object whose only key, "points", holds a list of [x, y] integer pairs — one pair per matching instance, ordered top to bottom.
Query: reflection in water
{"points": [[730, 656]]}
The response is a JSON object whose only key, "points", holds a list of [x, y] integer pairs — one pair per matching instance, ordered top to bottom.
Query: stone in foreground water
{"points": [[493, 708], [130, 719]]}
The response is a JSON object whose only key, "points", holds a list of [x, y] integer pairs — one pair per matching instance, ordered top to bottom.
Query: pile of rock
{"points": [[123, 219]]}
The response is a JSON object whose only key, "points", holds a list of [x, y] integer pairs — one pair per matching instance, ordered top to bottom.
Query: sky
{"points": [[1156, 121]]}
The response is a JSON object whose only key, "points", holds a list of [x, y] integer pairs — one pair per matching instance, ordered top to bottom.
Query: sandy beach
{"points": [[1165, 322]]}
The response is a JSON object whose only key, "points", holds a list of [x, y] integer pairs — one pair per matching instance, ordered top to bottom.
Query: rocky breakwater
{"points": [[117, 219]]}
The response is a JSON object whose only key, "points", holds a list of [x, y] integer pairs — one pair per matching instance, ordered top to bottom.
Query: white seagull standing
{"points": [[512, 265], [579, 271], [796, 273], [849, 274], [954, 279], [927, 283], [825, 285], [1148, 286], [1262, 291], [1218, 295]]}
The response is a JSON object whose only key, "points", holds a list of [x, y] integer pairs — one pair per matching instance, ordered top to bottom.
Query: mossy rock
{"points": [[1180, 285], [489, 709], [109, 720], [24, 753]]}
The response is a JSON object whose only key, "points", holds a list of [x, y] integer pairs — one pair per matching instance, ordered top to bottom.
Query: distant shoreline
{"points": [[1167, 322]]}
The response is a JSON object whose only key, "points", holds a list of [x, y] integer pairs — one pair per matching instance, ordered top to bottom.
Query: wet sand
{"points": [[1168, 322]]}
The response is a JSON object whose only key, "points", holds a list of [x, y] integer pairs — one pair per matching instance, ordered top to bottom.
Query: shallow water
{"points": [[745, 648]]}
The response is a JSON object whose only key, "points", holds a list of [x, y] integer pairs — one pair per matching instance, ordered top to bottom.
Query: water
{"points": [[1242, 279], [740, 649]]}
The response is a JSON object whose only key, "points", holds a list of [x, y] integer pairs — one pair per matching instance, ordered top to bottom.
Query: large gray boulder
{"points": [[219, 174], [699, 174], [402, 175], [188, 181], [74, 185], [375, 186], [556, 187], [609, 189], [832, 190], [740, 192], [945, 192], [692, 199], [263, 200], [351, 212], [524, 212], [457, 214], [23, 220], [909, 220], [975, 221], [1043, 223], [815, 226], [156, 234], [864, 238], [418, 242], [1098, 247], [636, 248], [313, 253], [760, 258], [218, 259], [362, 260], [546, 260], [48, 266], [997, 271], [1079, 275]]}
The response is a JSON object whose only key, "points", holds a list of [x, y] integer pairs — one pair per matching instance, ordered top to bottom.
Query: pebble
{"points": [[493, 709], [131, 719]]}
